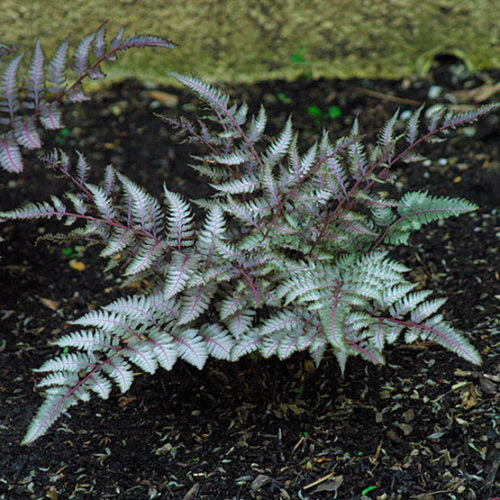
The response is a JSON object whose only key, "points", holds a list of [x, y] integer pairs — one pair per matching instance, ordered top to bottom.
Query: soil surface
{"points": [[424, 426]]}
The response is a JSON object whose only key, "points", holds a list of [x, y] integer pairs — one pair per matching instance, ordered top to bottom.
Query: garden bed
{"points": [[423, 426]]}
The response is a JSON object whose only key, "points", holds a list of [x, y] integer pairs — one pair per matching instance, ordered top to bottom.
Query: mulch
{"points": [[425, 426]]}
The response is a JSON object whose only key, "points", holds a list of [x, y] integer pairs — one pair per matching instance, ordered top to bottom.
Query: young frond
{"points": [[386, 137]]}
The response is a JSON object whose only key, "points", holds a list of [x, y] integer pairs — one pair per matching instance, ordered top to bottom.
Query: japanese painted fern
{"points": [[24, 107], [292, 254]]}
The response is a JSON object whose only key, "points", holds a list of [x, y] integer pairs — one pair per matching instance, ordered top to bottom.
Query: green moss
{"points": [[245, 41]]}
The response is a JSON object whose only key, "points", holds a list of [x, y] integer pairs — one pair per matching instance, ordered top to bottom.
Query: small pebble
{"points": [[434, 91]]}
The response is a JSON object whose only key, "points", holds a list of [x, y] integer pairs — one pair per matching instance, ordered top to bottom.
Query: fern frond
{"points": [[81, 58], [56, 74], [36, 80], [8, 88], [212, 96], [257, 126], [412, 126], [26, 134], [386, 137], [277, 150], [10, 154], [246, 184], [419, 208], [146, 210], [179, 220], [213, 228], [146, 255], [179, 272], [195, 301], [239, 322], [86, 340], [219, 342], [191, 346], [140, 353], [120, 371]]}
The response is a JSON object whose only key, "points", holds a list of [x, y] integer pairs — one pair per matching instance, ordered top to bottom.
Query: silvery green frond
{"points": [[212, 96], [456, 119], [257, 125], [412, 125], [386, 136], [277, 150], [357, 154], [235, 158], [212, 171], [247, 184], [102, 201], [418, 208], [146, 210], [32, 211], [248, 212], [179, 220], [213, 228], [119, 239], [147, 254], [179, 271], [394, 293], [195, 301], [408, 302], [231, 305], [149, 309], [426, 309], [333, 318], [107, 321], [283, 321], [240, 322], [87, 340], [219, 341], [454, 341], [245, 345], [191, 346], [318, 348], [164, 349], [140, 353], [72, 362], [120, 371], [56, 403]]}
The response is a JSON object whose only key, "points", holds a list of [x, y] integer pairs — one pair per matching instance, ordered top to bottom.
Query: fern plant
{"points": [[27, 107], [292, 253]]}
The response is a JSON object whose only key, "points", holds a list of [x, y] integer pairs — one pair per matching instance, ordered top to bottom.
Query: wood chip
{"points": [[51, 304]]}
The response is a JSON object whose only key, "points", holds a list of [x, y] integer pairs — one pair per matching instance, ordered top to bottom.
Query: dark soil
{"points": [[424, 426]]}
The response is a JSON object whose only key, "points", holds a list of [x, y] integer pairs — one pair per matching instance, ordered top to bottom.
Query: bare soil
{"points": [[424, 426]]}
